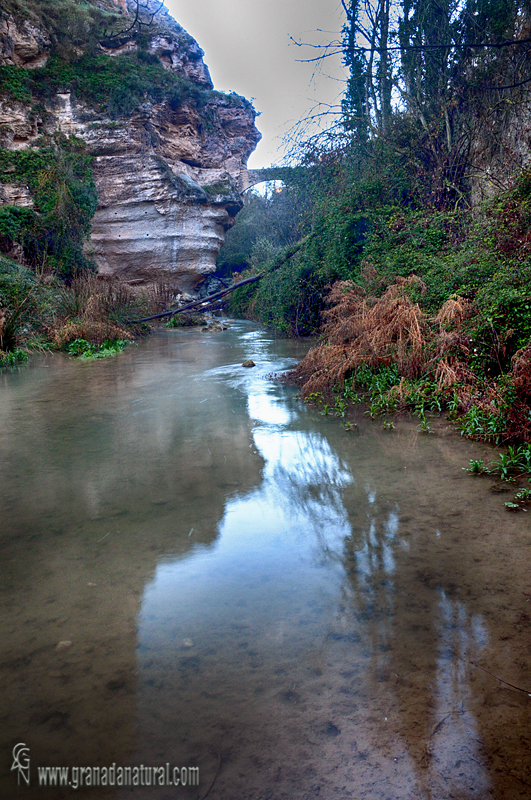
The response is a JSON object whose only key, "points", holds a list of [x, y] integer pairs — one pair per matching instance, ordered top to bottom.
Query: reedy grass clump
{"points": [[27, 306], [97, 311], [42, 312], [380, 343], [13, 358], [511, 467]]}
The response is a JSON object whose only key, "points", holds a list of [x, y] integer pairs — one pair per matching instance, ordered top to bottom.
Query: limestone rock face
{"points": [[22, 44], [168, 178], [168, 187], [12, 194]]}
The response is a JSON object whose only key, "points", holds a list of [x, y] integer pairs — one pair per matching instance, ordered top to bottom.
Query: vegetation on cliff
{"points": [[84, 59], [51, 233], [417, 271], [48, 296]]}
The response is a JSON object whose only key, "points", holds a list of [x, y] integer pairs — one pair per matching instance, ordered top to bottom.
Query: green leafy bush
{"points": [[15, 82], [64, 194], [14, 220], [26, 305], [80, 348], [13, 358], [477, 423]]}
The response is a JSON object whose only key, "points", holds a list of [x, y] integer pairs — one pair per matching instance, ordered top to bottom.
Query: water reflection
{"points": [[276, 532], [248, 588], [303, 616], [456, 760]]}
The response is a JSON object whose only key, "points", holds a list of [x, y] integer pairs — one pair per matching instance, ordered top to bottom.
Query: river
{"points": [[200, 571]]}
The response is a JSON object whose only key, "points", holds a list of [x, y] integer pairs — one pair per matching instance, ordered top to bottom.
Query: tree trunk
{"points": [[205, 302]]}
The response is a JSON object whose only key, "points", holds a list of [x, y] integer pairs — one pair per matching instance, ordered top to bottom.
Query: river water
{"points": [[199, 571]]}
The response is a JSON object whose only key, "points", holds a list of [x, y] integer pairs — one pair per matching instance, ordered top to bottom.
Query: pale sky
{"points": [[248, 51]]}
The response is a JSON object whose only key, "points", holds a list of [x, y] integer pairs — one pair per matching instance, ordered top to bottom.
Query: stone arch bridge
{"points": [[250, 177]]}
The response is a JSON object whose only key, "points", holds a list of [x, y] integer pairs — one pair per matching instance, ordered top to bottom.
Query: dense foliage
{"points": [[51, 233], [406, 266], [463, 278], [42, 311]]}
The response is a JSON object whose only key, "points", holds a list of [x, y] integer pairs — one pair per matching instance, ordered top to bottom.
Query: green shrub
{"points": [[15, 82], [65, 200], [14, 220], [290, 299], [26, 304], [81, 348], [13, 358], [483, 425]]}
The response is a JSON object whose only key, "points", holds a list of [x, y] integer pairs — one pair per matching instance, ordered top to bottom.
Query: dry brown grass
{"points": [[161, 296], [96, 309], [453, 313], [359, 329], [392, 329], [94, 331], [521, 368], [520, 417]]}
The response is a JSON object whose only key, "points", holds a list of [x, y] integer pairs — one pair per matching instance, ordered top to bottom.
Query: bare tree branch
{"points": [[137, 22], [411, 47]]}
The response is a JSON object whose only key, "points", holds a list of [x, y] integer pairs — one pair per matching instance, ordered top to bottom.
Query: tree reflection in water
{"points": [[315, 573]]}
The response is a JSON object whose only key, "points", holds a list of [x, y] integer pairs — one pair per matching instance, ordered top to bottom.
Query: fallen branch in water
{"points": [[205, 302], [492, 675], [506, 683], [215, 776]]}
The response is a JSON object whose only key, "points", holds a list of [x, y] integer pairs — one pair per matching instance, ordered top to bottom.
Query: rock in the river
{"points": [[215, 325], [249, 363]]}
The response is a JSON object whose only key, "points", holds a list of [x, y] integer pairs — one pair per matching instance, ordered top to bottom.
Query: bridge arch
{"points": [[251, 177]]}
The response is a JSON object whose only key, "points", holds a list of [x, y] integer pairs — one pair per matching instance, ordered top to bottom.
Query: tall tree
{"points": [[366, 38]]}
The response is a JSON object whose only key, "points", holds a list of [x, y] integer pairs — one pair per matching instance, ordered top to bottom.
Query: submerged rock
{"points": [[187, 320], [214, 325]]}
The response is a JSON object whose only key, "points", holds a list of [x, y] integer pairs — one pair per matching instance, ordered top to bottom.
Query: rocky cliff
{"points": [[168, 152]]}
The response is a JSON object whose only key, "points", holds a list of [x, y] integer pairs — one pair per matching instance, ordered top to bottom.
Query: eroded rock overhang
{"points": [[169, 179]]}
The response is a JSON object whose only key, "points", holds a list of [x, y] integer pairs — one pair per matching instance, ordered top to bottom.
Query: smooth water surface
{"points": [[198, 570]]}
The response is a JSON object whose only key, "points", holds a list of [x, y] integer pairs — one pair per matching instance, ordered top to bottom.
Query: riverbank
{"points": [[417, 309], [85, 315]]}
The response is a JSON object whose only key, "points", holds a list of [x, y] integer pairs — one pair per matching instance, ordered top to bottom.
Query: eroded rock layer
{"points": [[168, 175]]}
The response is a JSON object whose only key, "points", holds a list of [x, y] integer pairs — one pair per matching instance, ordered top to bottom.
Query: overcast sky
{"points": [[248, 51]]}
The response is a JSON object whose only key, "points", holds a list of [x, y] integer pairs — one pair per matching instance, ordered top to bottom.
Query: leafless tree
{"points": [[143, 16]]}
